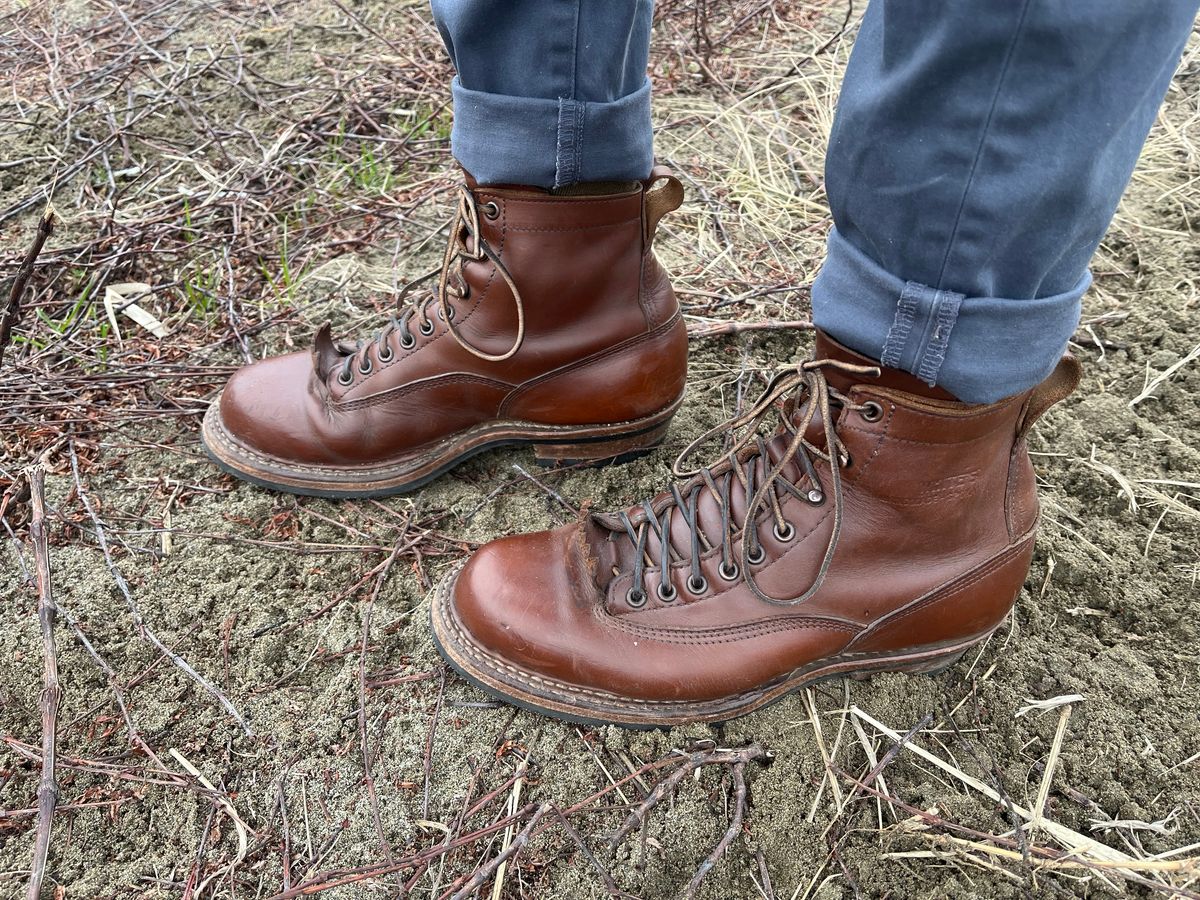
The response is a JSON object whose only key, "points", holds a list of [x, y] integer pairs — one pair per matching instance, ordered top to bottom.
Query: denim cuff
{"points": [[502, 139], [981, 349]]}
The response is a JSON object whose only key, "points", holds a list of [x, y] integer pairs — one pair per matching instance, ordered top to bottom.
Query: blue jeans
{"points": [[978, 154]]}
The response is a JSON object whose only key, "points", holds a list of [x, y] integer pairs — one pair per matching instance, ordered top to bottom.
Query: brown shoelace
{"points": [[466, 244], [749, 460]]}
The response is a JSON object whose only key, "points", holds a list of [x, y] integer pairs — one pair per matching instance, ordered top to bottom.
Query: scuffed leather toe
{"points": [[271, 407], [528, 614]]}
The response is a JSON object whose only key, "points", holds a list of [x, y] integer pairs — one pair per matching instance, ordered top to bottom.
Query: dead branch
{"points": [[12, 311], [718, 329], [181, 663], [368, 774], [48, 785], [667, 786], [735, 827], [518, 843]]}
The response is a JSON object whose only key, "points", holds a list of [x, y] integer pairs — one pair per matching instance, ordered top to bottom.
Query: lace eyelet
{"points": [[491, 210], [426, 331], [407, 341], [386, 354], [366, 367], [345, 378], [871, 411], [848, 461], [815, 497], [784, 535], [756, 556], [730, 572], [697, 585], [666, 595], [636, 599]]}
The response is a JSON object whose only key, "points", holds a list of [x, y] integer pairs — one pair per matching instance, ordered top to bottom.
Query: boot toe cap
{"points": [[267, 407], [517, 600]]}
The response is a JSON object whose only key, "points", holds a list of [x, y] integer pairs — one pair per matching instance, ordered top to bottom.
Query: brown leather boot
{"points": [[552, 324], [892, 530]]}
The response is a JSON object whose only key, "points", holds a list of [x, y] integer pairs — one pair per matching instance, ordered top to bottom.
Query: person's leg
{"points": [[550, 92], [978, 155], [976, 159], [550, 324]]}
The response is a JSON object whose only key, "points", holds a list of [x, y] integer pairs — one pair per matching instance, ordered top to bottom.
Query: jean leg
{"points": [[549, 92], [978, 154]]}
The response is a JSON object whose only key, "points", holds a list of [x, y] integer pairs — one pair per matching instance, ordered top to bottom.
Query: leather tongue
{"points": [[325, 351], [894, 379]]}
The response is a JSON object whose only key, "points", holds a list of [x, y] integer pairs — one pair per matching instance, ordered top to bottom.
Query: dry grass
{"points": [[264, 166]]}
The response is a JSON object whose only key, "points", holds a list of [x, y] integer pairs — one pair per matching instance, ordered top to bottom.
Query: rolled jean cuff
{"points": [[502, 139], [981, 349]]}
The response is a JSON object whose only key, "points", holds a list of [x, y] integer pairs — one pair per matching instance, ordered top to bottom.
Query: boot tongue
{"points": [[326, 353], [893, 379]]}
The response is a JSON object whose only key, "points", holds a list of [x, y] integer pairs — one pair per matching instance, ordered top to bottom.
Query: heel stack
{"points": [[603, 450]]}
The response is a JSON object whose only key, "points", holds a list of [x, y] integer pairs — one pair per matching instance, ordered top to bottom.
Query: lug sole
{"points": [[552, 445], [569, 703]]}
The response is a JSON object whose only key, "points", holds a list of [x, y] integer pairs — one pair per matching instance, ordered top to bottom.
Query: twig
{"points": [[12, 311], [717, 329], [179, 661], [427, 757], [690, 763], [368, 775], [48, 785], [222, 799], [735, 826], [518, 843]]}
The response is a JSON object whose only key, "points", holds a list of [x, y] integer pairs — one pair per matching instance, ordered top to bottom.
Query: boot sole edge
{"points": [[552, 445], [666, 714]]}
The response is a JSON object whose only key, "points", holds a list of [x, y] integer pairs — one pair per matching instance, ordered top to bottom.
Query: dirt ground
{"points": [[266, 167]]}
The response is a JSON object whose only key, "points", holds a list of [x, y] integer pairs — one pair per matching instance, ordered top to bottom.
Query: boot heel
{"points": [[601, 451]]}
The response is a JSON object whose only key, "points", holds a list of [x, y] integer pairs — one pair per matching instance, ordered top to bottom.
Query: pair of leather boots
{"points": [[853, 519]]}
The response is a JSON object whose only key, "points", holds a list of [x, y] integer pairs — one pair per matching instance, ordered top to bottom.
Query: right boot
{"points": [[552, 324]]}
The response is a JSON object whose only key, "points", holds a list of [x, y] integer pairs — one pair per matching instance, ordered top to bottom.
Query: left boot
{"points": [[890, 528]]}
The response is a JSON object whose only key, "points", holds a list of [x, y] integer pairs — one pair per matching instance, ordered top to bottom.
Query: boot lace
{"points": [[466, 245], [750, 461]]}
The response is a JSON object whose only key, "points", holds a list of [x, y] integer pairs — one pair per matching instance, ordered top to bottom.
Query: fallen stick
{"points": [[12, 312], [715, 329], [143, 629], [47, 791], [734, 829], [518, 843]]}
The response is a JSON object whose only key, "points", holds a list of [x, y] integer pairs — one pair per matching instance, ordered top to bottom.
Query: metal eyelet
{"points": [[491, 210], [426, 331], [407, 341], [386, 354], [366, 366], [345, 378], [872, 411], [848, 461], [815, 497], [785, 534], [756, 556], [730, 572], [697, 585], [666, 595], [636, 599]]}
